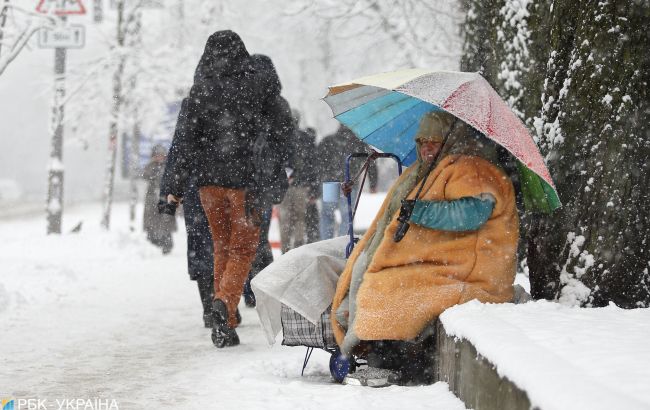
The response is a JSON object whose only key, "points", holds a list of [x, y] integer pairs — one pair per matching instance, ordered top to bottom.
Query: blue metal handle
{"points": [[350, 246]]}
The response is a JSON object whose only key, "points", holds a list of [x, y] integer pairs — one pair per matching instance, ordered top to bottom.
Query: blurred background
{"points": [[151, 49]]}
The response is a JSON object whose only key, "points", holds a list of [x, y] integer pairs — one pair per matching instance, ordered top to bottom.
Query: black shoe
{"points": [[238, 317], [207, 320], [222, 334], [398, 379]]}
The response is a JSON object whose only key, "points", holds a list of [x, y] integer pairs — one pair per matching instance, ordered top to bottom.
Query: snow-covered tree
{"points": [[17, 26], [127, 29], [479, 33], [345, 39], [577, 74], [593, 128]]}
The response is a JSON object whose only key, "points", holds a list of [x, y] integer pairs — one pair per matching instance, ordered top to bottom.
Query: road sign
{"points": [[61, 7], [72, 36]]}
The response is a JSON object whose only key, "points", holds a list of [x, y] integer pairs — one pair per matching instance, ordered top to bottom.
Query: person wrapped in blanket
{"points": [[461, 245]]}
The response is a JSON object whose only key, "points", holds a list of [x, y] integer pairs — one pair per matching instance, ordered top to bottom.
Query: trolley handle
{"points": [[350, 181]]}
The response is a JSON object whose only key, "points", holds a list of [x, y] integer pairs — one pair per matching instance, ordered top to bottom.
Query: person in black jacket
{"points": [[214, 143], [272, 151], [332, 153], [303, 188], [311, 216], [159, 227], [200, 265]]}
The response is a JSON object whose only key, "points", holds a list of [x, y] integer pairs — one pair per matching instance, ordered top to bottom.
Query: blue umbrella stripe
{"points": [[374, 114], [397, 136]]}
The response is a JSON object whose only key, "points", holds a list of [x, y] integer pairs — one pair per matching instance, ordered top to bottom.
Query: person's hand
{"points": [[346, 187], [173, 199], [252, 208], [406, 210]]}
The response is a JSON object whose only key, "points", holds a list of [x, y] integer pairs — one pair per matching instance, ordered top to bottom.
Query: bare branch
{"points": [[17, 46]]}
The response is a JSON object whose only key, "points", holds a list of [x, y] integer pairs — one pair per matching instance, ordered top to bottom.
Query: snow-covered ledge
{"points": [[545, 355], [472, 378]]}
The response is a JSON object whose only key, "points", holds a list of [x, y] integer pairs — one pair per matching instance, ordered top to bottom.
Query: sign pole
{"points": [[54, 205]]}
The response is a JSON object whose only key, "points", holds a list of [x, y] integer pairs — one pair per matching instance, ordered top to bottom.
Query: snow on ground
{"points": [[104, 315], [563, 357]]}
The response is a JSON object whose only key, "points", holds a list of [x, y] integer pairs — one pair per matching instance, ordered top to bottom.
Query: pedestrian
{"points": [[217, 148], [273, 148], [332, 153], [303, 188], [311, 216], [159, 227], [199, 240], [456, 243], [200, 265]]}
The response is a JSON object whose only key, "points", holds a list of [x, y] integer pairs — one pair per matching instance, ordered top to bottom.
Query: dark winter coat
{"points": [[273, 133], [214, 135], [333, 151], [304, 161], [153, 222], [199, 238]]}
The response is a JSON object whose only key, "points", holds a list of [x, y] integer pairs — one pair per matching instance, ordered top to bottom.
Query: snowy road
{"points": [[104, 315]]}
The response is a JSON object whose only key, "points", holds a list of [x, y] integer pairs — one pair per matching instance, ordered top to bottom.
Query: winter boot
{"points": [[249, 296], [207, 320], [222, 334], [372, 377]]}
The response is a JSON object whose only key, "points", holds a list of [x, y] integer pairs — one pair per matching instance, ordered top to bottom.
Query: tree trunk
{"points": [[480, 36], [135, 43], [585, 95], [113, 127], [594, 130], [134, 171], [54, 205]]}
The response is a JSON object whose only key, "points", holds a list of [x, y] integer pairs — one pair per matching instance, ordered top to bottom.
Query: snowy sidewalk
{"points": [[105, 315]]}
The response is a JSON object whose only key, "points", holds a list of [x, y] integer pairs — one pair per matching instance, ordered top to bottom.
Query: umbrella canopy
{"points": [[384, 110]]}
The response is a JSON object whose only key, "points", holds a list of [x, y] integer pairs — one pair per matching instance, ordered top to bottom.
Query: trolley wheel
{"points": [[340, 366]]}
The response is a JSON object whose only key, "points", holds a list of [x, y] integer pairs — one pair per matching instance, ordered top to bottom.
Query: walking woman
{"points": [[215, 146]]}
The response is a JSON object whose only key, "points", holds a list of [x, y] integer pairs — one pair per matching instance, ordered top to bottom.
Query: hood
{"points": [[225, 54], [266, 74], [463, 140]]}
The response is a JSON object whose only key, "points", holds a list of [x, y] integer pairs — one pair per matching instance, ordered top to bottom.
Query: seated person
{"points": [[461, 245]]}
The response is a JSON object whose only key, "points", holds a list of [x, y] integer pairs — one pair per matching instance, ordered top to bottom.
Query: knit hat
{"points": [[434, 126]]}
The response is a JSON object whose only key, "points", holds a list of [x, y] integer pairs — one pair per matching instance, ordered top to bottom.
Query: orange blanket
{"points": [[409, 283]]}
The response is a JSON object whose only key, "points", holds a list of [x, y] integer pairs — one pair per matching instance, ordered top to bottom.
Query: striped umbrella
{"points": [[384, 110]]}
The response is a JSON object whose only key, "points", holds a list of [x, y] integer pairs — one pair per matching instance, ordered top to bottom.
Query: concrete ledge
{"points": [[472, 378]]}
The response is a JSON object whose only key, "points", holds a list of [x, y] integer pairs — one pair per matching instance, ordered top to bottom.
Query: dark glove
{"points": [[347, 187], [167, 208], [405, 212]]}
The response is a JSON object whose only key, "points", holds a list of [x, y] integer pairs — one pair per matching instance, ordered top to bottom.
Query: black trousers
{"points": [[206, 291], [414, 361]]}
